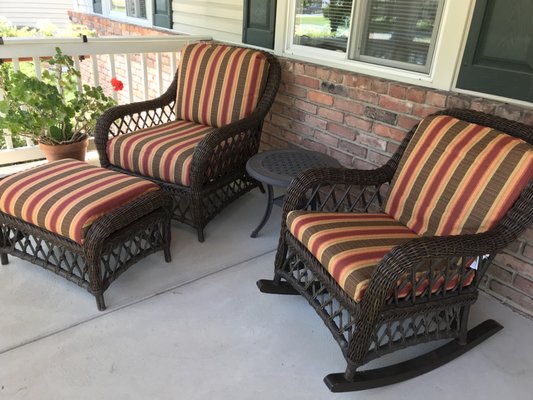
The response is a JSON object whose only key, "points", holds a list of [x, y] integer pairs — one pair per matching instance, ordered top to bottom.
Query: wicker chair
{"points": [[195, 139], [384, 275]]}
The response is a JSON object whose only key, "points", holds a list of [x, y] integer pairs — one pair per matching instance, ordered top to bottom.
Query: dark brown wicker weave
{"points": [[219, 153], [113, 243], [382, 323]]}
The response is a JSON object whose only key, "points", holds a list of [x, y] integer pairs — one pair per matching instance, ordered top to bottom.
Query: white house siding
{"points": [[29, 12], [221, 19]]}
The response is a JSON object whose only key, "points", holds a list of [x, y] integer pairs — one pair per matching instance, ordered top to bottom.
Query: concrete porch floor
{"points": [[198, 328]]}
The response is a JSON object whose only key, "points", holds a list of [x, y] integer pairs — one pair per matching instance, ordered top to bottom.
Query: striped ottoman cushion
{"points": [[219, 84], [163, 152], [458, 178], [65, 197], [351, 245]]}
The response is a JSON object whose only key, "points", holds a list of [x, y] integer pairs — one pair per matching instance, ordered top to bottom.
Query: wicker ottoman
{"points": [[85, 223]]}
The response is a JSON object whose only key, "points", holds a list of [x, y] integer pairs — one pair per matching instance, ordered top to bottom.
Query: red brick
{"points": [[299, 68], [310, 70], [323, 73], [336, 76], [307, 81], [364, 82], [380, 86], [296, 91], [397, 91], [363, 95], [416, 95], [321, 98], [436, 99], [457, 101], [393, 104], [348, 105], [483, 105], [305, 106], [423, 111], [509, 112], [294, 113], [330, 114], [527, 118], [278, 120], [316, 122], [406, 122], [359, 123], [302, 129], [341, 130], [389, 132], [291, 137], [326, 138], [371, 141], [312, 145], [392, 147], [353, 148], [343, 158], [377, 158], [362, 164], [527, 235], [528, 252], [522, 267], [503, 275], [524, 284], [512, 294]]}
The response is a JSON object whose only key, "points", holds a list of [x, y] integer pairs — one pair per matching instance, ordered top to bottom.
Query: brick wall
{"points": [[360, 120]]}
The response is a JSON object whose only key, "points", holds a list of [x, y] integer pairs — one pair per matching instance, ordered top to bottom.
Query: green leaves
{"points": [[52, 110]]}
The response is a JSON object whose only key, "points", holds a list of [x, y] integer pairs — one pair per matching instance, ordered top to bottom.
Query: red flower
{"points": [[117, 85]]}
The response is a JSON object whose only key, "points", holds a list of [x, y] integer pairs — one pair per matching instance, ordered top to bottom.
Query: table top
{"points": [[279, 167]]}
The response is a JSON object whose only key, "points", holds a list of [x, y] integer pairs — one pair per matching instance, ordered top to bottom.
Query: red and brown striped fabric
{"points": [[219, 84], [163, 152], [458, 178], [67, 196], [348, 245], [351, 245]]}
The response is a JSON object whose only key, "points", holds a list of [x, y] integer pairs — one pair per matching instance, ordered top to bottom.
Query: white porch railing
{"points": [[145, 64]]}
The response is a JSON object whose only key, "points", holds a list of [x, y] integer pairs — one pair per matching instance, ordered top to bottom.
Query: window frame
{"points": [[361, 15], [455, 20], [148, 21]]}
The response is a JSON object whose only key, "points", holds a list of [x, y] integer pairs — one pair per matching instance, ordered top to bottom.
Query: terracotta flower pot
{"points": [[75, 150]]}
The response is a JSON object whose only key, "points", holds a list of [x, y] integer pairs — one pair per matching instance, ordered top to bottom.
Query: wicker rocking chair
{"points": [[195, 139], [384, 275]]}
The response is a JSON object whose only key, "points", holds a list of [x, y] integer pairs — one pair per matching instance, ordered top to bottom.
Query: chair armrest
{"points": [[127, 118]]}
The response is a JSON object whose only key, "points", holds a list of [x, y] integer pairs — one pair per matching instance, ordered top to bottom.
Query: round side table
{"points": [[279, 167]]}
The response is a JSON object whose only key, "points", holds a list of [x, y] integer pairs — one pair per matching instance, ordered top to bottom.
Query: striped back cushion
{"points": [[219, 84], [163, 152], [458, 178], [67, 196]]}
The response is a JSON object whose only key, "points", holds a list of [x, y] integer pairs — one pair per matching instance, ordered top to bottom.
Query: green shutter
{"points": [[97, 6], [163, 13], [259, 23], [498, 57]]}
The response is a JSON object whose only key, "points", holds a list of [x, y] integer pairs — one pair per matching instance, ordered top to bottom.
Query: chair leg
{"points": [[201, 237], [3, 259], [273, 287], [100, 303], [368, 379]]}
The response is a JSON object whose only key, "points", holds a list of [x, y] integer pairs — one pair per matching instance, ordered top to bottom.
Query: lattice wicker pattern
{"points": [[218, 173]]}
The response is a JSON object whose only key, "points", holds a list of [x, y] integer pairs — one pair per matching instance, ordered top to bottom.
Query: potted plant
{"points": [[52, 111]]}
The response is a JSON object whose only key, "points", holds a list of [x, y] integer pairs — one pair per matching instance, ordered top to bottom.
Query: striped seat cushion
{"points": [[219, 84], [163, 152], [458, 178], [66, 197], [349, 246]]}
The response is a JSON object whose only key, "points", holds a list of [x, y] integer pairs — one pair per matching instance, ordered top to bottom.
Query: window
{"points": [[130, 8], [396, 33]]}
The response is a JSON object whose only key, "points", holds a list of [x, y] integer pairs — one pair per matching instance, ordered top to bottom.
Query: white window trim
{"points": [[456, 15], [148, 21]]}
